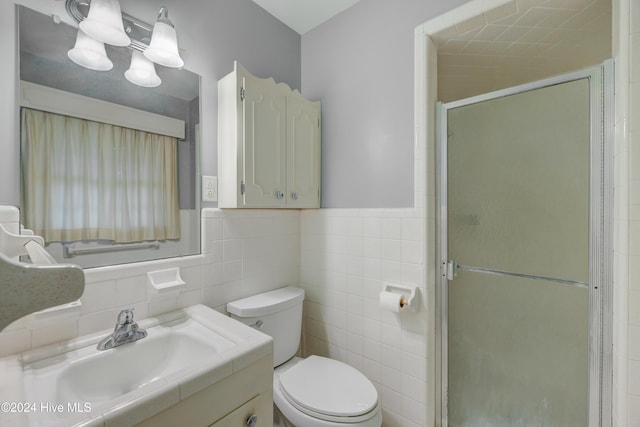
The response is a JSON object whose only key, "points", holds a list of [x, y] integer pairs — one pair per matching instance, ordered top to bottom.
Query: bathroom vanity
{"points": [[196, 367], [243, 399]]}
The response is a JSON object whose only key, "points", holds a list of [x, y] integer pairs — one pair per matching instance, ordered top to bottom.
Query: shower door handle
{"points": [[452, 270]]}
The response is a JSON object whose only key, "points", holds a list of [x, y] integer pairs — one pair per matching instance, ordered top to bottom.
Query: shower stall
{"points": [[524, 253]]}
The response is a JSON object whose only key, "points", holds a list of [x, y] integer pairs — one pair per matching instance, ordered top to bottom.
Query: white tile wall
{"points": [[243, 253], [346, 258], [633, 374]]}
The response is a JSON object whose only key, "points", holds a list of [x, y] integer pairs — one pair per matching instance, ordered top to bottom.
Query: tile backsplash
{"points": [[243, 253]]}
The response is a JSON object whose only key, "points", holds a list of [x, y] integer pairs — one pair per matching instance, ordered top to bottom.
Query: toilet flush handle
{"points": [[257, 325], [252, 421]]}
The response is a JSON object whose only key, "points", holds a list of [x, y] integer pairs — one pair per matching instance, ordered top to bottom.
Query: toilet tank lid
{"points": [[267, 302]]}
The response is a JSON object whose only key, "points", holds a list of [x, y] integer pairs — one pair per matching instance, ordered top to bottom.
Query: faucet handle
{"points": [[125, 316]]}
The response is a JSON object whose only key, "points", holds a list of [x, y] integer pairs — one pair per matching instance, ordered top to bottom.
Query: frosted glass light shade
{"points": [[104, 23], [163, 48], [89, 53], [142, 72]]}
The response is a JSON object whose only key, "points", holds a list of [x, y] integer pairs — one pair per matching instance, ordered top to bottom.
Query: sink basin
{"points": [[98, 376], [73, 383]]}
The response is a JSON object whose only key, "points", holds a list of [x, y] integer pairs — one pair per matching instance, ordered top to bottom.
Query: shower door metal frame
{"points": [[600, 323]]}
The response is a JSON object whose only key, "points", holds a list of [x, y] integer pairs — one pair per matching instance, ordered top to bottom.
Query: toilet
{"points": [[311, 392]]}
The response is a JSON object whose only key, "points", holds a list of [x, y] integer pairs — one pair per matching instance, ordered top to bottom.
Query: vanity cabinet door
{"points": [[264, 130], [303, 153]]}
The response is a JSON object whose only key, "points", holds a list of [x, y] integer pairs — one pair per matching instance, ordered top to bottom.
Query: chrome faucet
{"points": [[126, 330]]}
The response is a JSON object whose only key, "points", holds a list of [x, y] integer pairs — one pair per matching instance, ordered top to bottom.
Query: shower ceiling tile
{"points": [[524, 5], [501, 13], [533, 17], [558, 17], [577, 21], [474, 24], [545, 29], [491, 32], [513, 34], [557, 34], [445, 35], [534, 35], [455, 46], [476, 46], [496, 48], [517, 49]]}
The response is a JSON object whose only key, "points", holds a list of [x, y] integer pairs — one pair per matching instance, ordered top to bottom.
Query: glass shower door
{"points": [[518, 227]]}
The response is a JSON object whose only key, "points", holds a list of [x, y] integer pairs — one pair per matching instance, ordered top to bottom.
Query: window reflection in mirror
{"points": [[140, 202]]}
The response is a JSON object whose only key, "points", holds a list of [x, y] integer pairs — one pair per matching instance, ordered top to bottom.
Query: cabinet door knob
{"points": [[279, 194], [295, 196], [252, 421]]}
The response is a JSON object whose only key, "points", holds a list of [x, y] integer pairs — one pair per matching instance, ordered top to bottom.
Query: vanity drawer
{"points": [[252, 414]]}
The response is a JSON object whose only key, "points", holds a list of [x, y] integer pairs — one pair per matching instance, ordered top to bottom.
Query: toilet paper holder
{"points": [[408, 300]]}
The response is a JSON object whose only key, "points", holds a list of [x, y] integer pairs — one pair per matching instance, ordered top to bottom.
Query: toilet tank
{"points": [[277, 313]]}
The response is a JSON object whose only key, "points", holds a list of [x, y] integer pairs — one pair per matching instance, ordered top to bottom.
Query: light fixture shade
{"points": [[104, 23], [163, 48], [89, 53], [142, 72]]}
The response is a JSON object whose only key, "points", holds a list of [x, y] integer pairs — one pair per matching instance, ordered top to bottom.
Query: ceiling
{"points": [[304, 15], [519, 42]]}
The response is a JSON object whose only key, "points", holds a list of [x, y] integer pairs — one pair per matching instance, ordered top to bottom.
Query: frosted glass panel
{"points": [[518, 172], [518, 175], [517, 352]]}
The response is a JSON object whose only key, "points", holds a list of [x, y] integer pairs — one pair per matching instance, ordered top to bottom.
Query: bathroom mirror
{"points": [[43, 61]]}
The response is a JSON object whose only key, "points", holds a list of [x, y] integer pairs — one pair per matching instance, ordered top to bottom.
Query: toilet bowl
{"points": [[307, 392], [322, 392]]}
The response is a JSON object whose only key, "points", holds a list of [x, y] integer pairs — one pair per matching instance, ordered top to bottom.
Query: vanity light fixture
{"points": [[105, 23], [163, 48], [89, 53], [142, 72]]}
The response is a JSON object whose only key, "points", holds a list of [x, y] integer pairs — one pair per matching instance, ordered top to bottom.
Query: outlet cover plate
{"points": [[209, 188]]}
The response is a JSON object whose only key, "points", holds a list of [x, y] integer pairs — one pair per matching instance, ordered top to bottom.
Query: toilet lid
{"points": [[328, 387]]}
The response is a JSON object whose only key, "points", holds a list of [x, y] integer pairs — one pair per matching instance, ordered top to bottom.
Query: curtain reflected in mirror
{"points": [[85, 180], [97, 185]]}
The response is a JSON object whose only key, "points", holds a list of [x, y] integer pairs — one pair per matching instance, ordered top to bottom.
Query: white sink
{"points": [[184, 352], [97, 376]]}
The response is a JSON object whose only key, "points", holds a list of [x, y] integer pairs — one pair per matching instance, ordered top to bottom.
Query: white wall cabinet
{"points": [[268, 144]]}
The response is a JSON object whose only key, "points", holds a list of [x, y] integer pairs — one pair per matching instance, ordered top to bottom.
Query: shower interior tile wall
{"points": [[634, 218], [243, 253]]}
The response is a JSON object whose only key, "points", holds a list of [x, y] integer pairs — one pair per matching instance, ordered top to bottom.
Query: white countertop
{"points": [[135, 406]]}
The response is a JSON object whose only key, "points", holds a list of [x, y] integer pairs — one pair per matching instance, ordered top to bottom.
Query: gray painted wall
{"points": [[212, 35], [360, 64]]}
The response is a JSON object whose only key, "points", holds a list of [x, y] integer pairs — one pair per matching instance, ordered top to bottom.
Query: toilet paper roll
{"points": [[390, 301]]}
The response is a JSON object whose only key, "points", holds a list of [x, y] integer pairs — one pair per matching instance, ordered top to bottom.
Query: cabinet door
{"points": [[264, 144], [303, 153]]}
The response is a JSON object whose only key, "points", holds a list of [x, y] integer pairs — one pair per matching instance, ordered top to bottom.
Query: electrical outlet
{"points": [[209, 188]]}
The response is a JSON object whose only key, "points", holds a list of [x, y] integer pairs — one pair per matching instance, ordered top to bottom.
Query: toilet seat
{"points": [[329, 390]]}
